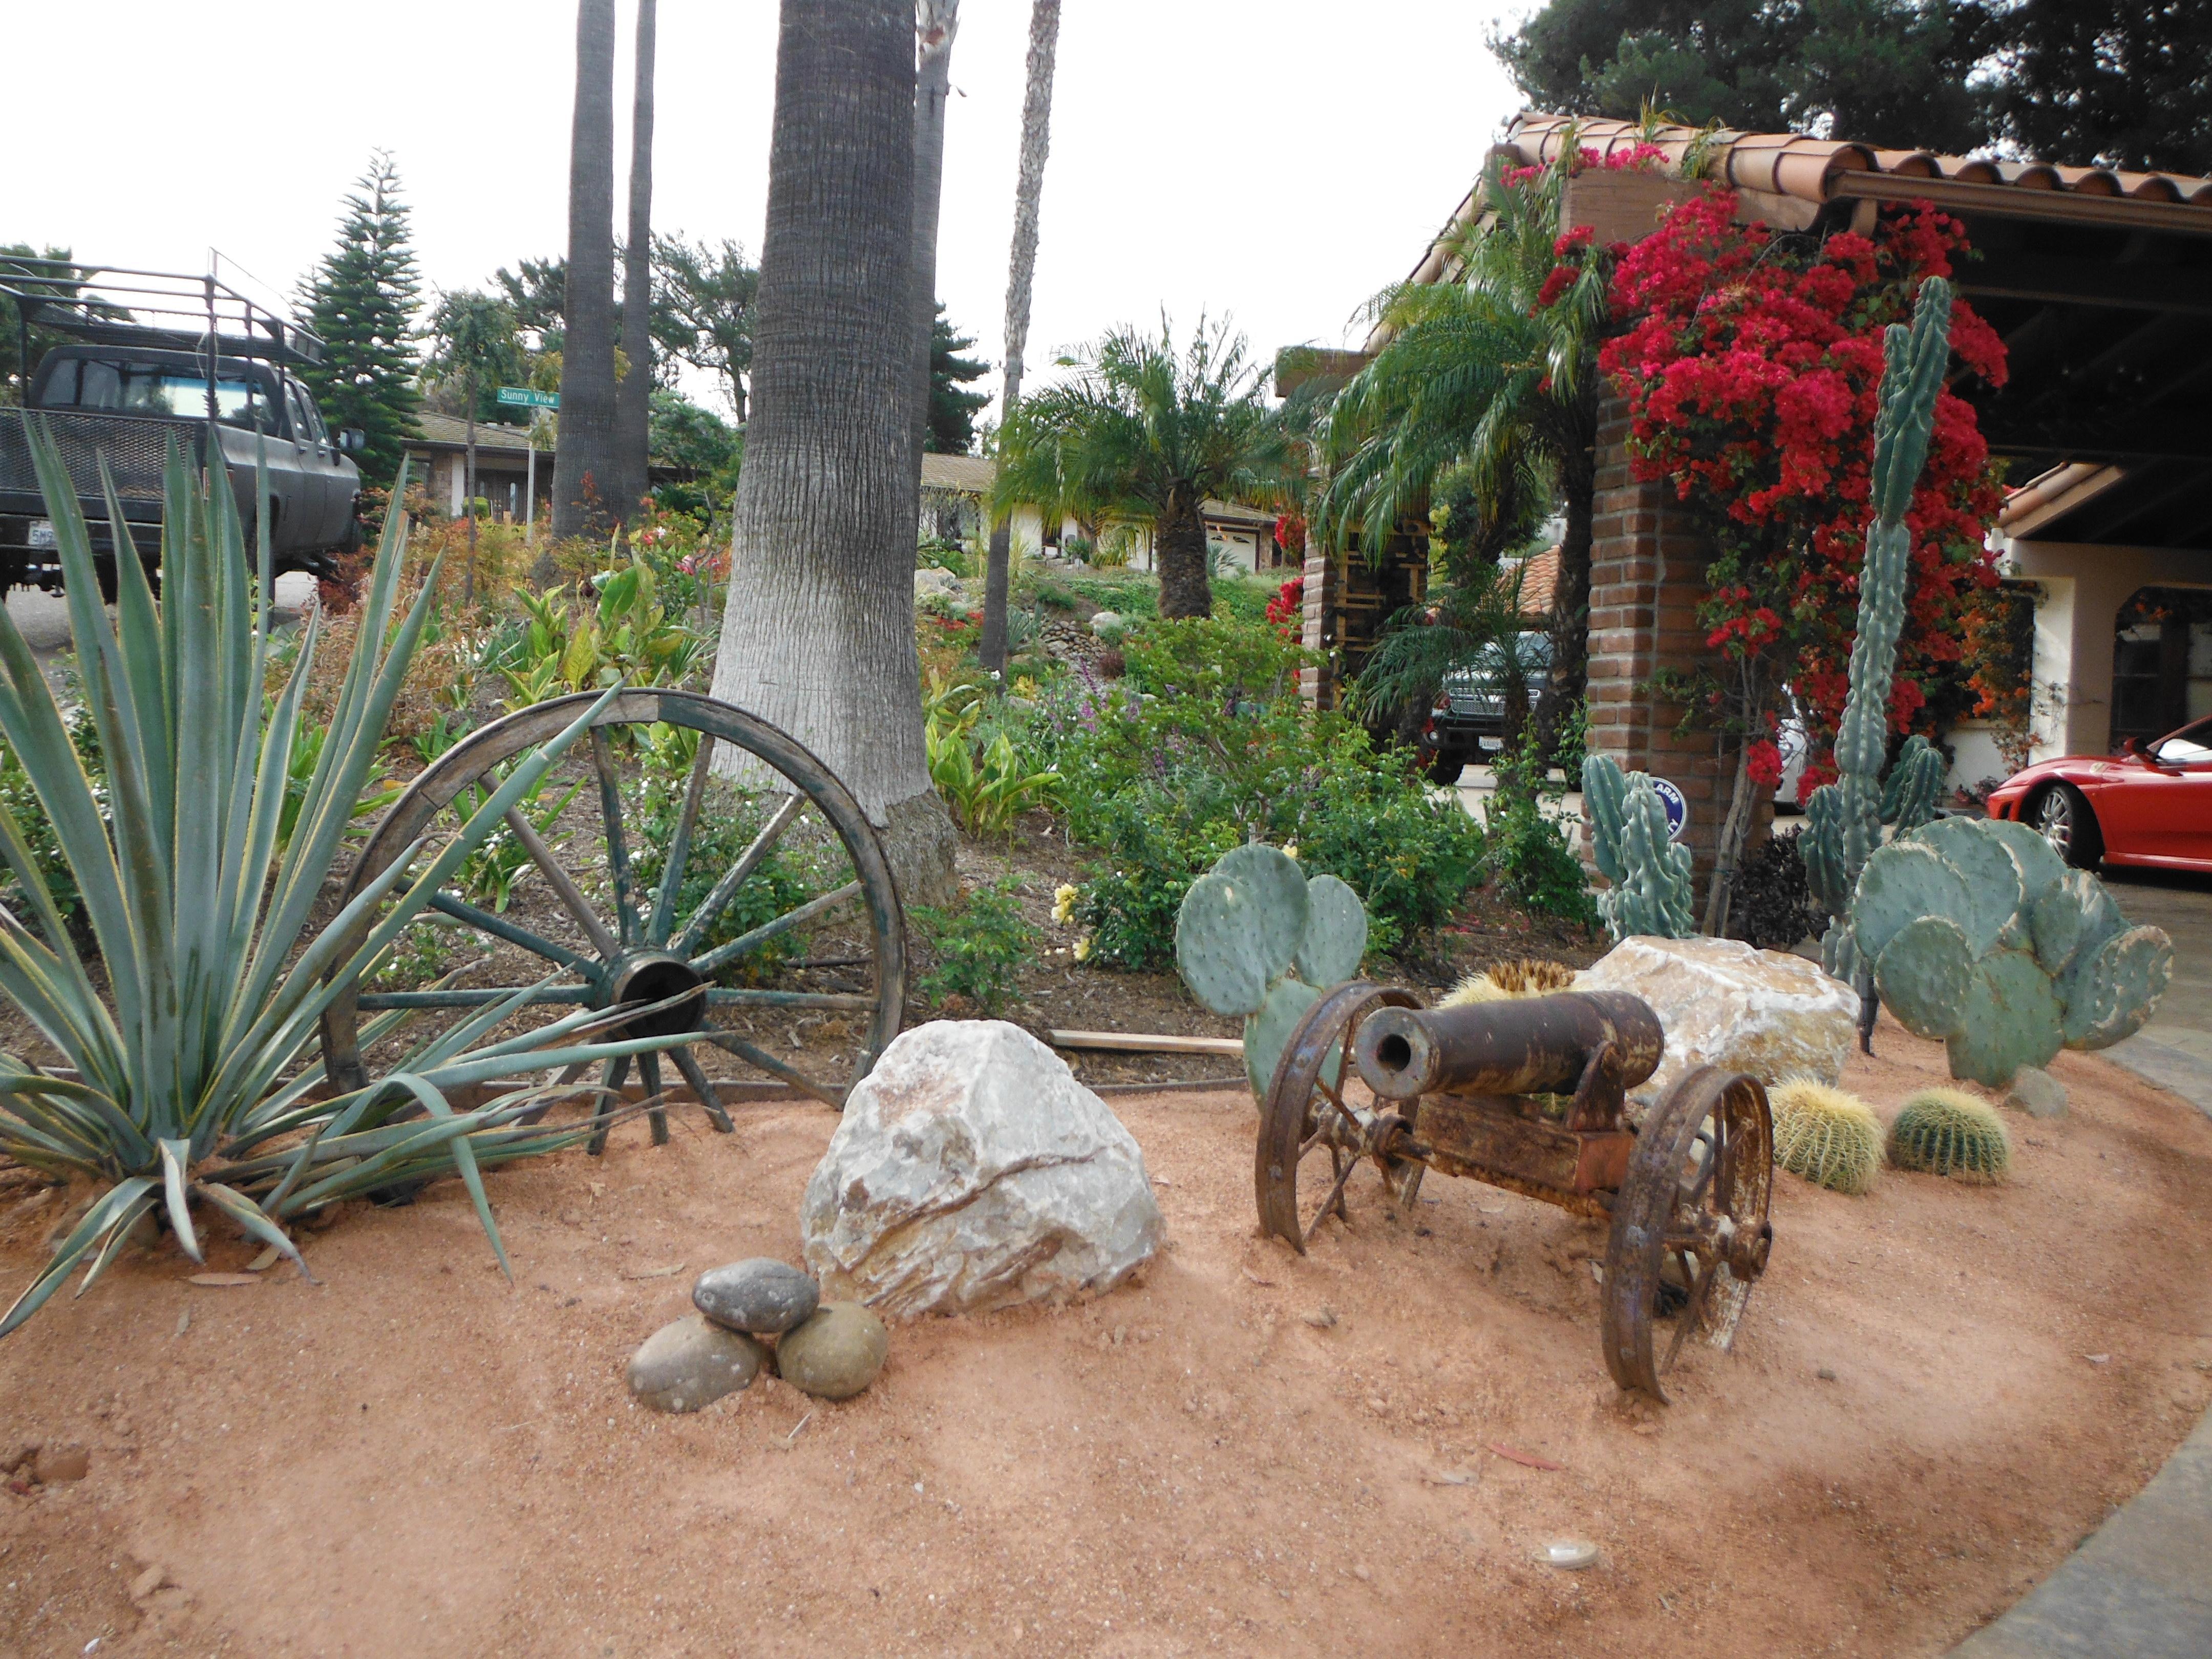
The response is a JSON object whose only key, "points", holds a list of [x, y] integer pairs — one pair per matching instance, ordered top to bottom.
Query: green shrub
{"points": [[1204, 745], [1529, 858], [978, 946]]}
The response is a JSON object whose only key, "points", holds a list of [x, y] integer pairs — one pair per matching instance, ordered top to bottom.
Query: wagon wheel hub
{"points": [[654, 976]]}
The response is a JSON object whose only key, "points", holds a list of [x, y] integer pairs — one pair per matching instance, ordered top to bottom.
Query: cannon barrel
{"points": [[1533, 1045]]}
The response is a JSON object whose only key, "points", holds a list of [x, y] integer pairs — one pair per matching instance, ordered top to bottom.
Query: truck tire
{"points": [[1445, 766]]}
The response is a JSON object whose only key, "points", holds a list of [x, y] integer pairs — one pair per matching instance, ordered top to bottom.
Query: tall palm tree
{"points": [[936, 22], [1021, 272], [1485, 370], [633, 398], [1140, 432], [586, 477], [817, 630]]}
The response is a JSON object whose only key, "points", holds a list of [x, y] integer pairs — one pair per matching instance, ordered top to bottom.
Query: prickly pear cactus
{"points": [[1909, 795], [1853, 811], [1650, 875], [1255, 937], [1978, 937], [1947, 1132]]}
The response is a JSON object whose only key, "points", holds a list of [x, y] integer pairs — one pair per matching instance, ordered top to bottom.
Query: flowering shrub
{"points": [[1751, 363], [1287, 610]]}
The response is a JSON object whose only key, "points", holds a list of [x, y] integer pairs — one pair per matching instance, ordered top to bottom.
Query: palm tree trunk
{"points": [[939, 20], [1021, 272], [632, 399], [584, 478], [1179, 544], [1571, 597], [818, 626]]}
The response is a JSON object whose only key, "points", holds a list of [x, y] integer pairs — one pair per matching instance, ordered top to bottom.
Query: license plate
{"points": [[42, 533], [1491, 745]]}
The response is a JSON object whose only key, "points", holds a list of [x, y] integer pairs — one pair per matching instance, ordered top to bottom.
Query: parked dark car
{"points": [[128, 404], [1468, 721], [2149, 805]]}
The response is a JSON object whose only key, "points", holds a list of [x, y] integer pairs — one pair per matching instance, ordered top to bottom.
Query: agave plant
{"points": [[191, 1083]]}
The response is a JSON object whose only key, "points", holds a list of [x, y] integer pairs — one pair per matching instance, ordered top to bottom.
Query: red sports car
{"points": [[2150, 805]]}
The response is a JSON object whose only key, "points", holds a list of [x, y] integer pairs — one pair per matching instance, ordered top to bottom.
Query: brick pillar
{"points": [[1647, 575], [1317, 685]]}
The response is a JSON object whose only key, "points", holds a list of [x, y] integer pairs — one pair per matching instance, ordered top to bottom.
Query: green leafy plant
{"points": [[623, 636], [988, 788], [1526, 854], [1256, 936], [978, 946], [190, 1086], [1947, 1131], [1829, 1137]]}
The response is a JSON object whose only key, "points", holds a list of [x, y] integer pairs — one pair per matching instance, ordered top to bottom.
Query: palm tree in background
{"points": [[936, 22], [1021, 272], [1484, 371], [634, 396], [1140, 432], [587, 472], [818, 629]]}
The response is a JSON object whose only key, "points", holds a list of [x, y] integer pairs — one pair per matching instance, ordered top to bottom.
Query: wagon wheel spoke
{"points": [[610, 815], [680, 844], [734, 877], [563, 884], [500, 928], [722, 954], [474, 996], [762, 1060], [648, 1069], [694, 1074], [611, 1078], [1335, 1199], [1693, 1312]]}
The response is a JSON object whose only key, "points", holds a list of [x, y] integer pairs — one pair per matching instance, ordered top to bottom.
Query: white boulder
{"points": [[929, 579], [1723, 1003], [972, 1172]]}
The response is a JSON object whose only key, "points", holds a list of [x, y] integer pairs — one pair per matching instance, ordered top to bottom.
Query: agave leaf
{"points": [[176, 1155], [463, 1160], [110, 1206], [249, 1215], [119, 1233]]}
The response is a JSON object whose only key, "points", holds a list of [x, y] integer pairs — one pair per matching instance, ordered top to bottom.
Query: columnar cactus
{"points": [[1908, 797], [1847, 827], [1650, 875], [1977, 935], [1255, 937], [1947, 1131]]}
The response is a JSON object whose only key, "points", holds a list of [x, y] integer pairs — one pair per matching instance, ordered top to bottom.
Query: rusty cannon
{"points": [[1531, 1095]]}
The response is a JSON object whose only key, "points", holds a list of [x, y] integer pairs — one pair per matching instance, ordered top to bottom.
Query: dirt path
{"points": [[415, 1459]]}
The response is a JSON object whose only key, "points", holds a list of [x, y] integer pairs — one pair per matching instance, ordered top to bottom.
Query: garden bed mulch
{"points": [[1937, 1391]]}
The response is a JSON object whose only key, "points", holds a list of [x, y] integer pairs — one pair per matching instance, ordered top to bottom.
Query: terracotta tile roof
{"points": [[1539, 581]]}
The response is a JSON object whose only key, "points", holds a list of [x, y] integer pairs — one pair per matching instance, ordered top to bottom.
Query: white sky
{"points": [[1277, 160]]}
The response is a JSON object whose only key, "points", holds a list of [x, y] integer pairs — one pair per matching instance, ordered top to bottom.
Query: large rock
{"points": [[1723, 1003], [971, 1171]]}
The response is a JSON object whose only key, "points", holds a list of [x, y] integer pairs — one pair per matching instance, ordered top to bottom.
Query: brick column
{"points": [[1647, 575], [1317, 686]]}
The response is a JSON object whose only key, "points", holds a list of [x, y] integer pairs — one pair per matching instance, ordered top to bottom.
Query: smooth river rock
{"points": [[1722, 1002], [969, 1171], [760, 1295], [835, 1353], [691, 1363]]}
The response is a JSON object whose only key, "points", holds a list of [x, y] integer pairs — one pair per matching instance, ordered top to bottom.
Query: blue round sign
{"points": [[1678, 810]]}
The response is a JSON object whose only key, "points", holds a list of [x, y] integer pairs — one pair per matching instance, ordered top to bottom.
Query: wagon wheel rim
{"points": [[644, 944], [1314, 1131], [1697, 1196]]}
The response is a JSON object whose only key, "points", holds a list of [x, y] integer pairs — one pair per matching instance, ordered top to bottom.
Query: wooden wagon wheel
{"points": [[631, 945], [1310, 1130], [1697, 1193]]}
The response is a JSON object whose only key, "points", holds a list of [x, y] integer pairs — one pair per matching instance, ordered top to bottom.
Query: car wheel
{"points": [[1445, 766], [2062, 817]]}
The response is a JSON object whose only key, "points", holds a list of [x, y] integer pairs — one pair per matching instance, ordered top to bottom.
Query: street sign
{"points": [[526, 398], [1678, 810]]}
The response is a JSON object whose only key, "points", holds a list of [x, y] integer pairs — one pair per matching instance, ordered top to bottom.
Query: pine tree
{"points": [[362, 301], [951, 406]]}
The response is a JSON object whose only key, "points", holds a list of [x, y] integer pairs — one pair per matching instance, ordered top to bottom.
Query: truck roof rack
{"points": [[154, 310]]}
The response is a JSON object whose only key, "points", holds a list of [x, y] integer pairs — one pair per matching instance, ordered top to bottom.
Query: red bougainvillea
{"points": [[1750, 361], [1287, 610]]}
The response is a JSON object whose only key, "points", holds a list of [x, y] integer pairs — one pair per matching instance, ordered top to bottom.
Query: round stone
{"points": [[762, 1296], [835, 1354], [692, 1363]]}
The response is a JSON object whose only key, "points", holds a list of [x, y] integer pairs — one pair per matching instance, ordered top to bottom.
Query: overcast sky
{"points": [[1276, 159]]}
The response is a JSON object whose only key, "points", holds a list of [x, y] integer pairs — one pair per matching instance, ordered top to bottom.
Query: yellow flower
{"points": [[1290, 851], [1063, 904], [1082, 949]]}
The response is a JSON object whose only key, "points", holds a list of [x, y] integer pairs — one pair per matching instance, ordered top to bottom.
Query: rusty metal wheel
{"points": [[707, 898], [1318, 1123], [1690, 1228]]}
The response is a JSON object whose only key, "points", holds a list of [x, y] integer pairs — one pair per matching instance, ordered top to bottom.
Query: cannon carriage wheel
{"points": [[614, 938], [1310, 1134], [1696, 1198]]}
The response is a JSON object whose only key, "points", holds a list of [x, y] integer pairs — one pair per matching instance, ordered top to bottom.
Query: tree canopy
{"points": [[2126, 84], [361, 300], [475, 345], [952, 407]]}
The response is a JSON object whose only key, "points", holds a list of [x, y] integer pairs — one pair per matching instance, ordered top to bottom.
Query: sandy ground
{"points": [[416, 1458]]}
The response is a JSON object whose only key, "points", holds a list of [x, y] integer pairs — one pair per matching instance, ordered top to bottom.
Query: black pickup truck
{"points": [[131, 389]]}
